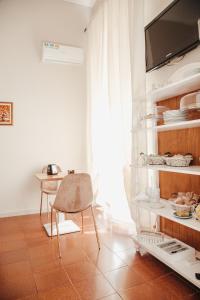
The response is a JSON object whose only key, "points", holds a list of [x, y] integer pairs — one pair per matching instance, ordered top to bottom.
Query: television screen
{"points": [[174, 32]]}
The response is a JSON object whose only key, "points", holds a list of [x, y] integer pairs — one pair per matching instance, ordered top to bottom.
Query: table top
{"points": [[45, 177]]}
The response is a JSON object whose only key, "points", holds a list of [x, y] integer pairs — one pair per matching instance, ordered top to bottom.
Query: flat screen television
{"points": [[172, 33]]}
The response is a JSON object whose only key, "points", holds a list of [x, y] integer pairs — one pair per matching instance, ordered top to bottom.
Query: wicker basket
{"points": [[155, 160], [178, 161]]}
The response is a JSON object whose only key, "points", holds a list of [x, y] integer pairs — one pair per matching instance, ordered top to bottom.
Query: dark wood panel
{"points": [[179, 141], [176, 182], [183, 233]]}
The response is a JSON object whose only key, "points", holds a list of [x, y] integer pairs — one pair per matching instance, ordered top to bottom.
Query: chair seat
{"points": [[50, 192]]}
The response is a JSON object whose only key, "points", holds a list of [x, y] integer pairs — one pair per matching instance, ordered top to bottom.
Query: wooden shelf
{"points": [[186, 85], [178, 125], [168, 127], [176, 141], [192, 170], [167, 212], [186, 267]]}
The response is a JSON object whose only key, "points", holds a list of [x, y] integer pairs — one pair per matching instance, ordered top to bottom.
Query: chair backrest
{"points": [[50, 185], [74, 194]]}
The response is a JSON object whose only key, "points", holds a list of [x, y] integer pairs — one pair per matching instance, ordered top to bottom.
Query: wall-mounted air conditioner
{"points": [[58, 53]]}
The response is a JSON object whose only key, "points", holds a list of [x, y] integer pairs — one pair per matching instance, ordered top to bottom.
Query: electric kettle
{"points": [[52, 169]]}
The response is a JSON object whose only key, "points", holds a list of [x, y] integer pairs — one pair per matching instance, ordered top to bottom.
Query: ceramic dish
{"points": [[190, 101], [171, 116], [179, 217]]}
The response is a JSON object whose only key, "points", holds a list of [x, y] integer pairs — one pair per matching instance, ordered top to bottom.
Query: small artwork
{"points": [[6, 113]]}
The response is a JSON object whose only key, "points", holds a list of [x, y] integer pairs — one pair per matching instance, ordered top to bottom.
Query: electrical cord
{"points": [[175, 61]]}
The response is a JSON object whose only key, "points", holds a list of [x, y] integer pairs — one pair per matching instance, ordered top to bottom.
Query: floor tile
{"points": [[9, 227], [38, 234], [12, 236], [37, 242], [70, 242], [89, 242], [118, 242], [12, 245], [42, 251], [14, 256], [43, 256], [73, 256], [131, 256], [106, 260], [45, 266], [157, 267], [22, 268], [81, 270], [149, 270], [124, 278], [50, 280], [176, 286], [17, 287], [94, 288], [145, 292], [61, 293], [30, 297]]}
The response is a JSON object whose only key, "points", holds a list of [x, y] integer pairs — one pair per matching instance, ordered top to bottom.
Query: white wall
{"points": [[162, 75], [49, 99]]}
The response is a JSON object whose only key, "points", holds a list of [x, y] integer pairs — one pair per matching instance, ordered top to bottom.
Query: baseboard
{"points": [[21, 212]]}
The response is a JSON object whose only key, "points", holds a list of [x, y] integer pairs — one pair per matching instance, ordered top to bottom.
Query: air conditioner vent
{"points": [[63, 54]]}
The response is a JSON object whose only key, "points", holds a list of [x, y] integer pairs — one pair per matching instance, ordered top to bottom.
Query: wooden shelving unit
{"points": [[181, 87], [178, 125], [172, 126], [180, 137], [191, 170], [167, 212], [186, 268]]}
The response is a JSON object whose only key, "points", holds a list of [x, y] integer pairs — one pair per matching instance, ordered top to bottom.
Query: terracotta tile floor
{"points": [[30, 268]]}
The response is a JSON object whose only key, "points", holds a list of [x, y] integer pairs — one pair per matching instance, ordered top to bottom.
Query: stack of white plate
{"points": [[172, 116]]}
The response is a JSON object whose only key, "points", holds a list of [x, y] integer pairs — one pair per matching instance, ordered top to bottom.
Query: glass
{"points": [[153, 193]]}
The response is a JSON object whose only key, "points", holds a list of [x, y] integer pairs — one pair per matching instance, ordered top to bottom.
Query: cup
{"points": [[70, 171]]}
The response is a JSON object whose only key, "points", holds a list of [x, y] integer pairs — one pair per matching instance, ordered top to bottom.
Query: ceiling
{"points": [[88, 3]]}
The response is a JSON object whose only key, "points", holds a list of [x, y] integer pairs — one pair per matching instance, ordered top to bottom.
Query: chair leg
{"points": [[41, 203], [47, 207], [82, 221], [51, 222], [95, 226], [58, 237]]}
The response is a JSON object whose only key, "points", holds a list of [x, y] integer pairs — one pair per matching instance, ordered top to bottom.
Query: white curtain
{"points": [[110, 75], [141, 139]]}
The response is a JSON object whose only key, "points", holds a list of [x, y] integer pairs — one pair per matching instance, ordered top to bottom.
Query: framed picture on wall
{"points": [[6, 113]]}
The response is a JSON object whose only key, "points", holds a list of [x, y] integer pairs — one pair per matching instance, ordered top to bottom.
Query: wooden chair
{"points": [[48, 188], [74, 196]]}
